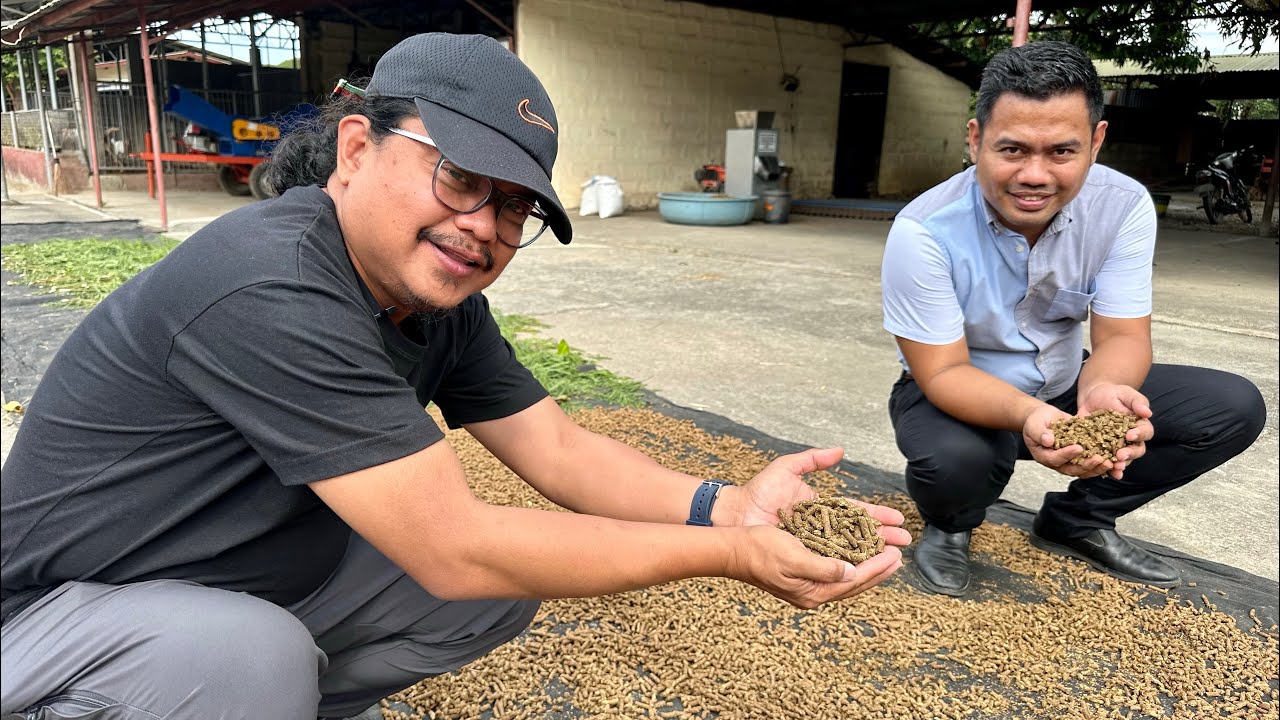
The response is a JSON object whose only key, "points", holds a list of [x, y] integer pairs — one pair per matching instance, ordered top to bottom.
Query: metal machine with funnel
{"points": [[751, 165]]}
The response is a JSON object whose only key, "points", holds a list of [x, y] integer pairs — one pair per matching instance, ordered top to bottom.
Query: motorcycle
{"points": [[1221, 190]]}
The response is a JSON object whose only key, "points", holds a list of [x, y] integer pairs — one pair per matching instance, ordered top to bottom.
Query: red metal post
{"points": [[1022, 23], [86, 49], [154, 117]]}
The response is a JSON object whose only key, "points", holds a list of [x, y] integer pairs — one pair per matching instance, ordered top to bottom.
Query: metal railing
{"points": [[122, 124]]}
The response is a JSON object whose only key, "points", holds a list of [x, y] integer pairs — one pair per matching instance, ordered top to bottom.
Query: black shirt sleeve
{"points": [[301, 372], [487, 382]]}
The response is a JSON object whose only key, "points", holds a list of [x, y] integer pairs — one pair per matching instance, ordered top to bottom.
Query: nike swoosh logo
{"points": [[532, 117]]}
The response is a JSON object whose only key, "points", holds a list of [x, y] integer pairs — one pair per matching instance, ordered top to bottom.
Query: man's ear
{"points": [[1099, 134], [975, 140], [353, 143]]}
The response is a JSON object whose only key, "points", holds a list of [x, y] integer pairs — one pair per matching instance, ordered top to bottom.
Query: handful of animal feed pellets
{"points": [[1101, 433], [834, 527]]}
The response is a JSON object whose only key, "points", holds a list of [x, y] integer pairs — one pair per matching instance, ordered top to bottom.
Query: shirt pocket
{"points": [[1068, 305]]}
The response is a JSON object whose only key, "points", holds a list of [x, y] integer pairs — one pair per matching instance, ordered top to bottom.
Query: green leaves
{"points": [[86, 270], [571, 377]]}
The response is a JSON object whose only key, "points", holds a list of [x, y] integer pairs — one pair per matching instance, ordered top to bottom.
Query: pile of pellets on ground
{"points": [[1101, 433], [835, 527], [1047, 638]]}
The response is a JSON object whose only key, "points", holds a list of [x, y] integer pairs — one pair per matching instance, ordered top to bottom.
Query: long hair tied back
{"points": [[308, 153]]}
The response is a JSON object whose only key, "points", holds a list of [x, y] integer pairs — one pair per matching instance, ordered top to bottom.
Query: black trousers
{"points": [[955, 471]]}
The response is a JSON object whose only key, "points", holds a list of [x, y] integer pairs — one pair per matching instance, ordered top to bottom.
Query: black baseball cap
{"points": [[483, 107]]}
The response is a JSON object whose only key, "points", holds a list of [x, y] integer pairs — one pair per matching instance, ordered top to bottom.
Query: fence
{"points": [[122, 124]]}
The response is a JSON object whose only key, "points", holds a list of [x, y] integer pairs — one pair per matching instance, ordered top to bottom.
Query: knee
{"points": [[1239, 411], [954, 461], [253, 654]]}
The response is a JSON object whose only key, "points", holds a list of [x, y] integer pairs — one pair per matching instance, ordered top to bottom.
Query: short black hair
{"points": [[1040, 70]]}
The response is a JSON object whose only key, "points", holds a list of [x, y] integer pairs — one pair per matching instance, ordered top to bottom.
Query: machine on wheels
{"points": [[238, 145]]}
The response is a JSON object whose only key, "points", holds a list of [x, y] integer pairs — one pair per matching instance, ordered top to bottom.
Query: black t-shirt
{"points": [[175, 431]]}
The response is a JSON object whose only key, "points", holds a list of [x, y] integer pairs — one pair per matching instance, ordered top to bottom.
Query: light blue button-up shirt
{"points": [[951, 270]]}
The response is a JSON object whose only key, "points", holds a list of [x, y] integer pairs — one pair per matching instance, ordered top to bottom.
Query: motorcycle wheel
{"points": [[1210, 211], [1246, 213]]}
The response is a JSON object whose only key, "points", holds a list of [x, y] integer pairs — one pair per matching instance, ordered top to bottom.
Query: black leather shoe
{"points": [[1107, 551], [942, 561]]}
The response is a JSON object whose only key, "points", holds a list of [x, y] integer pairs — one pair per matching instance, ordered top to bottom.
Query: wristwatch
{"points": [[704, 498]]}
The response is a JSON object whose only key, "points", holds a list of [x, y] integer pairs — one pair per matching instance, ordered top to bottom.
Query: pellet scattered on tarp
{"points": [[1101, 433], [834, 527], [1046, 637]]}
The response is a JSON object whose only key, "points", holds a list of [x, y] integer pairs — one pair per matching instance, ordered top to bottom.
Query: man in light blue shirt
{"points": [[987, 279]]}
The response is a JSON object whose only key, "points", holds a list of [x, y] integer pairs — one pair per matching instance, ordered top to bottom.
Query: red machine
{"points": [[710, 178]]}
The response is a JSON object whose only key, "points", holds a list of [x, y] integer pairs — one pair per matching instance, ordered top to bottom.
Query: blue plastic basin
{"points": [[693, 208]]}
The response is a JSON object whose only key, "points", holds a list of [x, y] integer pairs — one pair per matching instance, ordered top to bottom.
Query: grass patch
{"points": [[85, 271], [572, 378]]}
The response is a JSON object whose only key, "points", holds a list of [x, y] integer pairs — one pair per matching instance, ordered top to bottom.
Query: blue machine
{"points": [[212, 134]]}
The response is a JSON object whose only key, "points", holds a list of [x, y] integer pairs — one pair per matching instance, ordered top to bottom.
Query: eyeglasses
{"points": [[519, 222]]}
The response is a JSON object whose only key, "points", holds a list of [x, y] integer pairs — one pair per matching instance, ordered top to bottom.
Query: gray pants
{"points": [[175, 649]]}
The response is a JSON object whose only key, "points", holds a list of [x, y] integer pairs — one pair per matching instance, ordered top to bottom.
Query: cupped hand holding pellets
{"points": [[1126, 401], [834, 527], [781, 564]]}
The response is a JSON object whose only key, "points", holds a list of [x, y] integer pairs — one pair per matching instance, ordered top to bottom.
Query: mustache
{"points": [[458, 243]]}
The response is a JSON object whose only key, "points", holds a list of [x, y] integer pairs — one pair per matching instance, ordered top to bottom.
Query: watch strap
{"points": [[704, 498]]}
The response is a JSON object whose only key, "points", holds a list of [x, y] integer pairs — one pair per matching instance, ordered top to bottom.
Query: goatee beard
{"points": [[433, 314]]}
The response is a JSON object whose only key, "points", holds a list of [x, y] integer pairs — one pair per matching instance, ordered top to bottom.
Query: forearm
{"points": [[1120, 360], [979, 398], [601, 476], [521, 553]]}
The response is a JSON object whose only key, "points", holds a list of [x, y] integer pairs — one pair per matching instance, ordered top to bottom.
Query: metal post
{"points": [[1022, 23], [86, 50], [204, 63], [254, 63], [73, 74], [22, 81], [53, 84], [13, 115], [154, 118], [45, 136], [4, 182], [1269, 205]]}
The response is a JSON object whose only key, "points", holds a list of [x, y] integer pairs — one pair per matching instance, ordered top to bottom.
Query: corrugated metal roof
{"points": [[1262, 62]]}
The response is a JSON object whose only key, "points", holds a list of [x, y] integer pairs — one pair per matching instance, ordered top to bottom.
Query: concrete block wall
{"points": [[327, 52], [645, 89], [925, 117]]}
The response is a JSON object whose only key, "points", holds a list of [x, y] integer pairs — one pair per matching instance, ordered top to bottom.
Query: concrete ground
{"points": [[778, 327]]}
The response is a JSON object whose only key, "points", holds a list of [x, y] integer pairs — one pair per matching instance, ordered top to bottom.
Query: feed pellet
{"points": [[1101, 433], [834, 527], [1042, 637]]}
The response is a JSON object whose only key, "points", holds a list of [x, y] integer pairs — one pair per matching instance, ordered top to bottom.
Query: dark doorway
{"points": [[864, 93]]}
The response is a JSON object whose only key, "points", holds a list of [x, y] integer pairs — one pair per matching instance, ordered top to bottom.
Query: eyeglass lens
{"points": [[519, 222]]}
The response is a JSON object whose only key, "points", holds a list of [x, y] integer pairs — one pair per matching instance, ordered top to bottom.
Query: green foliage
{"points": [[1153, 33], [9, 73], [1246, 109], [84, 271], [571, 377]]}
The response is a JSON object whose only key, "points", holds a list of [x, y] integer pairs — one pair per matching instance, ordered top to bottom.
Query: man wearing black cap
{"points": [[180, 500]]}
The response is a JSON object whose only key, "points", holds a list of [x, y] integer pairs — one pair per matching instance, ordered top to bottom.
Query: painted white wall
{"points": [[645, 89], [925, 117]]}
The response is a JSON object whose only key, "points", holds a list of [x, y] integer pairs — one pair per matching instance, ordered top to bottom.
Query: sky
{"points": [[1207, 37]]}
